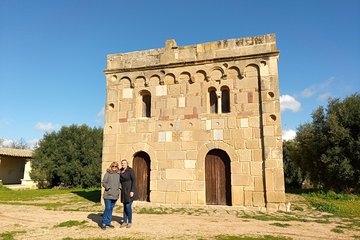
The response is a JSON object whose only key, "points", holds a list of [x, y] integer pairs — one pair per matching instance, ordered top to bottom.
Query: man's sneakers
{"points": [[103, 226]]}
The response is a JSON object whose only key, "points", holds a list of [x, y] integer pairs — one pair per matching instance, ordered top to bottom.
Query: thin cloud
{"points": [[315, 89], [324, 97], [288, 102], [101, 116], [4, 123], [47, 127], [288, 134]]}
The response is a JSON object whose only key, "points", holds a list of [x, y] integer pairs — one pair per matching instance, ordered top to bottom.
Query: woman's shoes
{"points": [[127, 225]]}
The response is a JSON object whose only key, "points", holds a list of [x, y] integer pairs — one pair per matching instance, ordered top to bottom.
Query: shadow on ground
{"points": [[92, 195], [96, 217]]}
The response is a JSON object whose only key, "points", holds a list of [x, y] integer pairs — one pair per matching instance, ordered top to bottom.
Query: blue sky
{"points": [[53, 53]]}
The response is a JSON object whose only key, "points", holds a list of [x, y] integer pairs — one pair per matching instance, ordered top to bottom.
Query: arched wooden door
{"points": [[141, 166], [217, 178]]}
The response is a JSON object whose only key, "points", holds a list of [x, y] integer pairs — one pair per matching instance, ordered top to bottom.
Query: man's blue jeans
{"points": [[109, 206], [127, 213]]}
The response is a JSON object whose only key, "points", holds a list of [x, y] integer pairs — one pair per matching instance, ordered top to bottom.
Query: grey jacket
{"points": [[111, 183]]}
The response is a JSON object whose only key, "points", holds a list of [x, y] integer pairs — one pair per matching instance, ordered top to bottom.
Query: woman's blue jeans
{"points": [[109, 206], [127, 213]]}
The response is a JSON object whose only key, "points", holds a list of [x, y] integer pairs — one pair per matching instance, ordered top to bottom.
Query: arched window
{"points": [[213, 100], [225, 100], [146, 104]]}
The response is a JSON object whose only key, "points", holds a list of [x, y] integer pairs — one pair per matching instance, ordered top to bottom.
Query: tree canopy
{"points": [[328, 149], [69, 157]]}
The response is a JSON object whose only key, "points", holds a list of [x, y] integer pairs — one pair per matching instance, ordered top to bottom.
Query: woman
{"points": [[111, 183], [128, 191]]}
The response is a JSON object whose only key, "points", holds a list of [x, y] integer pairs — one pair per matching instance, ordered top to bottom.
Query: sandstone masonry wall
{"points": [[182, 128]]}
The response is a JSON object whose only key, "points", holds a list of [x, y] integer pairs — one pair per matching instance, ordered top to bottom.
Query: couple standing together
{"points": [[118, 181]]}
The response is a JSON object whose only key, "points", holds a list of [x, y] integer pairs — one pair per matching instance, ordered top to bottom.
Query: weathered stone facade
{"points": [[184, 108]]}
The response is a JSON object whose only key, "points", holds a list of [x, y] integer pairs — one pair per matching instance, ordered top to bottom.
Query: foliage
{"points": [[328, 149], [70, 157], [293, 174]]}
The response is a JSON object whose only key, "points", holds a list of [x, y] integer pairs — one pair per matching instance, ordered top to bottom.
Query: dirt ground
{"points": [[36, 222]]}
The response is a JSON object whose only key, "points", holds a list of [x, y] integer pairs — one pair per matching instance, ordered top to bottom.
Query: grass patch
{"points": [[91, 194], [341, 205], [152, 211], [265, 217], [71, 223], [280, 224], [337, 230], [10, 235], [266, 237], [120, 238]]}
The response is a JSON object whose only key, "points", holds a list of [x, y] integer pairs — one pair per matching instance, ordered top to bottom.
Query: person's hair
{"points": [[110, 170]]}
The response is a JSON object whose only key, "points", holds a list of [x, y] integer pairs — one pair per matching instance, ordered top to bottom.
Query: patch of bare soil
{"points": [[40, 222]]}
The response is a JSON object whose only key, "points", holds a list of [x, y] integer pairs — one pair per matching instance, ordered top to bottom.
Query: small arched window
{"points": [[225, 100], [213, 101], [146, 104]]}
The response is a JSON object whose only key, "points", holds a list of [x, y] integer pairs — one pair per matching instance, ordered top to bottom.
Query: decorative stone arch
{"points": [[249, 70], [234, 72], [217, 74], [200, 76], [185, 77], [112, 78], [170, 79], [155, 80], [140, 81], [126, 82]]}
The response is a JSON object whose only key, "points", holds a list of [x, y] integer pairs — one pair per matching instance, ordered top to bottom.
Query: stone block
{"points": [[217, 123], [231, 123], [269, 131], [252, 144], [188, 146], [176, 155], [244, 155], [189, 164], [236, 167], [245, 168], [256, 169], [179, 174], [240, 180], [259, 184], [195, 186], [157, 196], [237, 196], [171, 197], [194, 197], [201, 197], [275, 197], [184, 198], [258, 199], [248, 200]]}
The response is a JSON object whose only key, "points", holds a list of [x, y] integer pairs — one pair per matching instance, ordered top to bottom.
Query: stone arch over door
{"points": [[141, 166], [217, 178]]}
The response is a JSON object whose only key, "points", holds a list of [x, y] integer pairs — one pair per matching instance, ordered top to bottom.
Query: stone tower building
{"points": [[199, 124]]}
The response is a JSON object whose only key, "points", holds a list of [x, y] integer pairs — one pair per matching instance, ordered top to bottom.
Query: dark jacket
{"points": [[111, 183], [128, 184]]}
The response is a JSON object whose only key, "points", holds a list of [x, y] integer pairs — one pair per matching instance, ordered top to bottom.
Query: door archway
{"points": [[141, 166], [217, 178]]}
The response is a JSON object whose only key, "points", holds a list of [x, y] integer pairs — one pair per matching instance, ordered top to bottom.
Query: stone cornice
{"points": [[192, 63]]}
